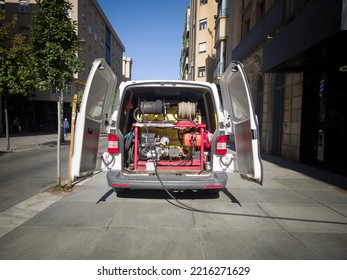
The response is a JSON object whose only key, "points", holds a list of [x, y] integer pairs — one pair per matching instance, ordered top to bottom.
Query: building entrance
{"points": [[324, 120]]}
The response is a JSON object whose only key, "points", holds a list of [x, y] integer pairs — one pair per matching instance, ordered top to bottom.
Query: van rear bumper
{"points": [[117, 180]]}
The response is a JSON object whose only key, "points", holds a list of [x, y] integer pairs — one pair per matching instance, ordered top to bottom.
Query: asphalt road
{"points": [[28, 172]]}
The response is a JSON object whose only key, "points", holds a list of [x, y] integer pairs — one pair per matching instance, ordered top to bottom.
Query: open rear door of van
{"points": [[237, 100], [94, 112]]}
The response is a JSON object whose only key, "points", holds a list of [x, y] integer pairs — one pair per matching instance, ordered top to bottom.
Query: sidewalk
{"points": [[28, 141], [299, 213]]}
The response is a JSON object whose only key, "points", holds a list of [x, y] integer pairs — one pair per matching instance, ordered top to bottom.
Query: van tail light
{"points": [[113, 144], [221, 148]]}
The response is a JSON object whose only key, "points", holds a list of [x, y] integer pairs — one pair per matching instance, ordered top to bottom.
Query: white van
{"points": [[171, 134]]}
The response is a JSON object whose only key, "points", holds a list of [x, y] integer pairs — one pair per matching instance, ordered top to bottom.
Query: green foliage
{"points": [[5, 27], [55, 44], [15, 65], [80, 85]]}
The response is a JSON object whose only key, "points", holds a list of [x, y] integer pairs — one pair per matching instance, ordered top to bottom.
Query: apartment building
{"points": [[98, 39], [201, 40], [294, 53], [295, 56], [127, 68]]}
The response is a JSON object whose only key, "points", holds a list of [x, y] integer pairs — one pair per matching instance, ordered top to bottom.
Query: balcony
{"points": [[270, 22], [316, 23], [220, 30], [286, 31], [219, 70]]}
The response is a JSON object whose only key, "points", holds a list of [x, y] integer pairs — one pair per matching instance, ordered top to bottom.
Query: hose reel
{"points": [[152, 107], [186, 110]]}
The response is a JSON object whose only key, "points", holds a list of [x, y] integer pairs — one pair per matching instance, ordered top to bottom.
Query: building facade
{"points": [[222, 42], [294, 53], [201, 57], [38, 111]]}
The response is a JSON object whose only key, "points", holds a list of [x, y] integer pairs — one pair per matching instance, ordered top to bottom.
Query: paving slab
{"points": [[303, 183], [90, 193], [270, 196], [326, 196], [342, 209], [20, 213], [78, 214], [144, 215], [233, 216], [307, 218], [47, 243], [149, 244], [252, 245], [325, 246]]}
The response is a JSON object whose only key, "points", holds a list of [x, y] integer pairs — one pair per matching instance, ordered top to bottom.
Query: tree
{"points": [[55, 45], [15, 65], [80, 85]]}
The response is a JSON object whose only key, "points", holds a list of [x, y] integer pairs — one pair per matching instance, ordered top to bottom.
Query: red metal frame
{"points": [[195, 164]]}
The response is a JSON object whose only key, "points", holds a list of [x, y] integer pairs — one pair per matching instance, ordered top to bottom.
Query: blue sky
{"points": [[151, 32]]}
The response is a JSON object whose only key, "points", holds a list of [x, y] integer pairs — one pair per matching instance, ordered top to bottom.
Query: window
{"points": [[203, 2], [24, 6], [222, 8], [203, 24], [24, 31], [83, 44], [108, 46], [202, 47], [220, 60], [201, 72], [67, 89]]}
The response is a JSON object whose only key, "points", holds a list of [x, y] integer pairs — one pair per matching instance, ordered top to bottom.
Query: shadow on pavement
{"points": [[54, 143], [337, 180], [162, 194], [202, 194]]}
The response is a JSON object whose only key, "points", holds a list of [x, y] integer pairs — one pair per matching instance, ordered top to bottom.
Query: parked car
{"points": [[171, 134]]}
